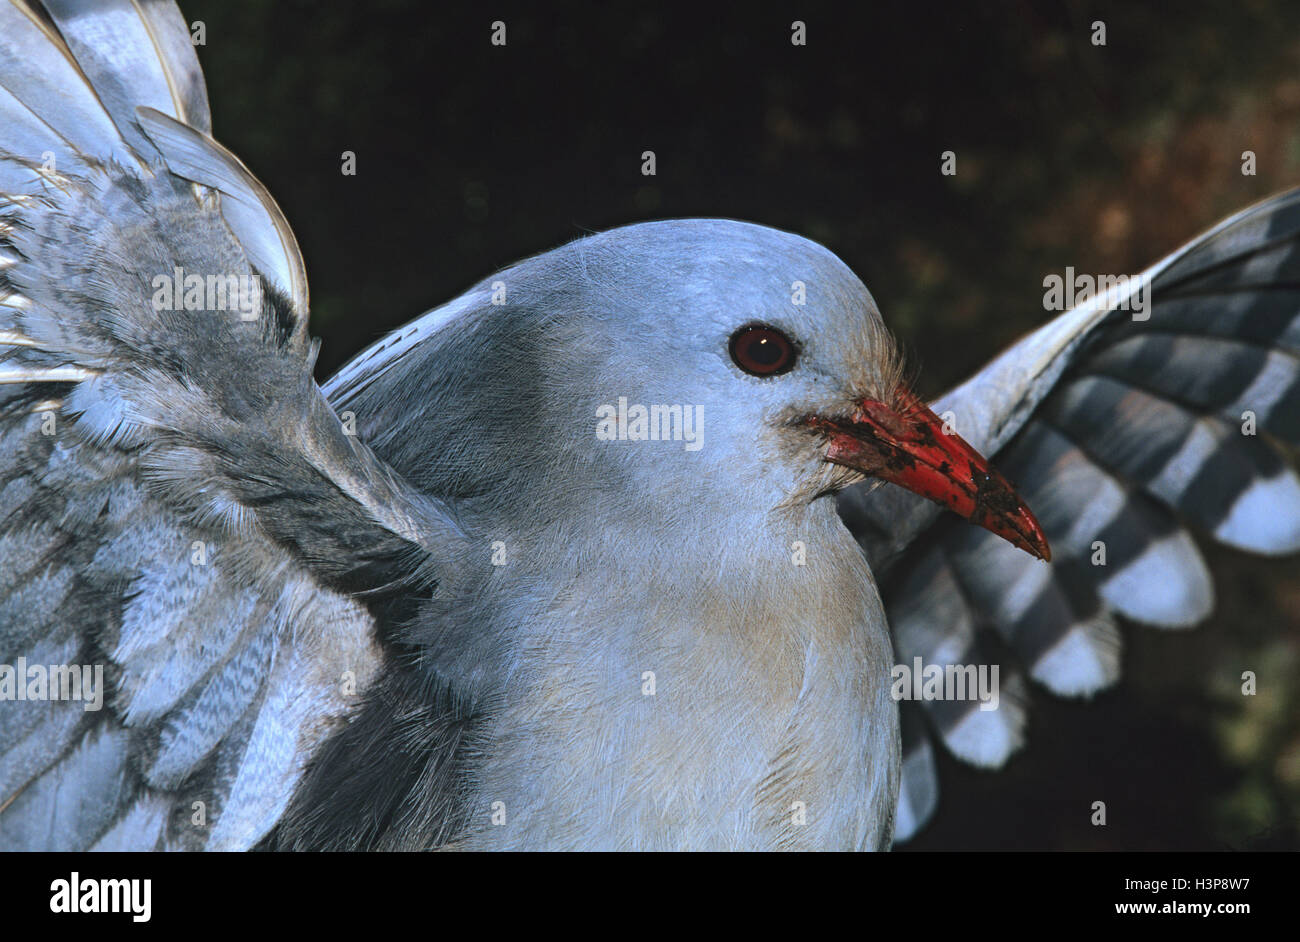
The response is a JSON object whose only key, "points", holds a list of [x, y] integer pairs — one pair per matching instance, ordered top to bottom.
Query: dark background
{"points": [[470, 156]]}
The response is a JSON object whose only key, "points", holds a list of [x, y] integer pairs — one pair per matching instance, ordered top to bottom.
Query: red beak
{"points": [[909, 447]]}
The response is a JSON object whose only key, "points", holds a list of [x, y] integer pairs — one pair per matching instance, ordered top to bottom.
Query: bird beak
{"points": [[908, 445]]}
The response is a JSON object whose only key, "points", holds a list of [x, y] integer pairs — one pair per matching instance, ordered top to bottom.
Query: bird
{"points": [[621, 549]]}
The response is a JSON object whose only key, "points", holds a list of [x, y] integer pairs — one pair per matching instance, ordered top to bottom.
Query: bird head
{"points": [[795, 380]]}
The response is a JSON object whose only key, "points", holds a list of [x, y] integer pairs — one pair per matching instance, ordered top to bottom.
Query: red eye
{"points": [[762, 351]]}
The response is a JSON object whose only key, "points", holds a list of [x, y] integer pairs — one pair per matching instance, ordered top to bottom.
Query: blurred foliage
{"points": [[471, 156]]}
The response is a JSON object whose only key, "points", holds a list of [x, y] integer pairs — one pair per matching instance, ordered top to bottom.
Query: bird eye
{"points": [[762, 351]]}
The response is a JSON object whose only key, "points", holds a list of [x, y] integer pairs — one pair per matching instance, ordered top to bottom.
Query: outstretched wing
{"points": [[1124, 435], [191, 543]]}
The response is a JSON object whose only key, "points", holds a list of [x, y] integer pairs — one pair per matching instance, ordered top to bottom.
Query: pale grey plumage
{"points": [[144, 546], [439, 549]]}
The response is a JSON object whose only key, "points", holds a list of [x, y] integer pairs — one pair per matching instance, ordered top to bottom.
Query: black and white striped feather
{"points": [[1126, 437]]}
